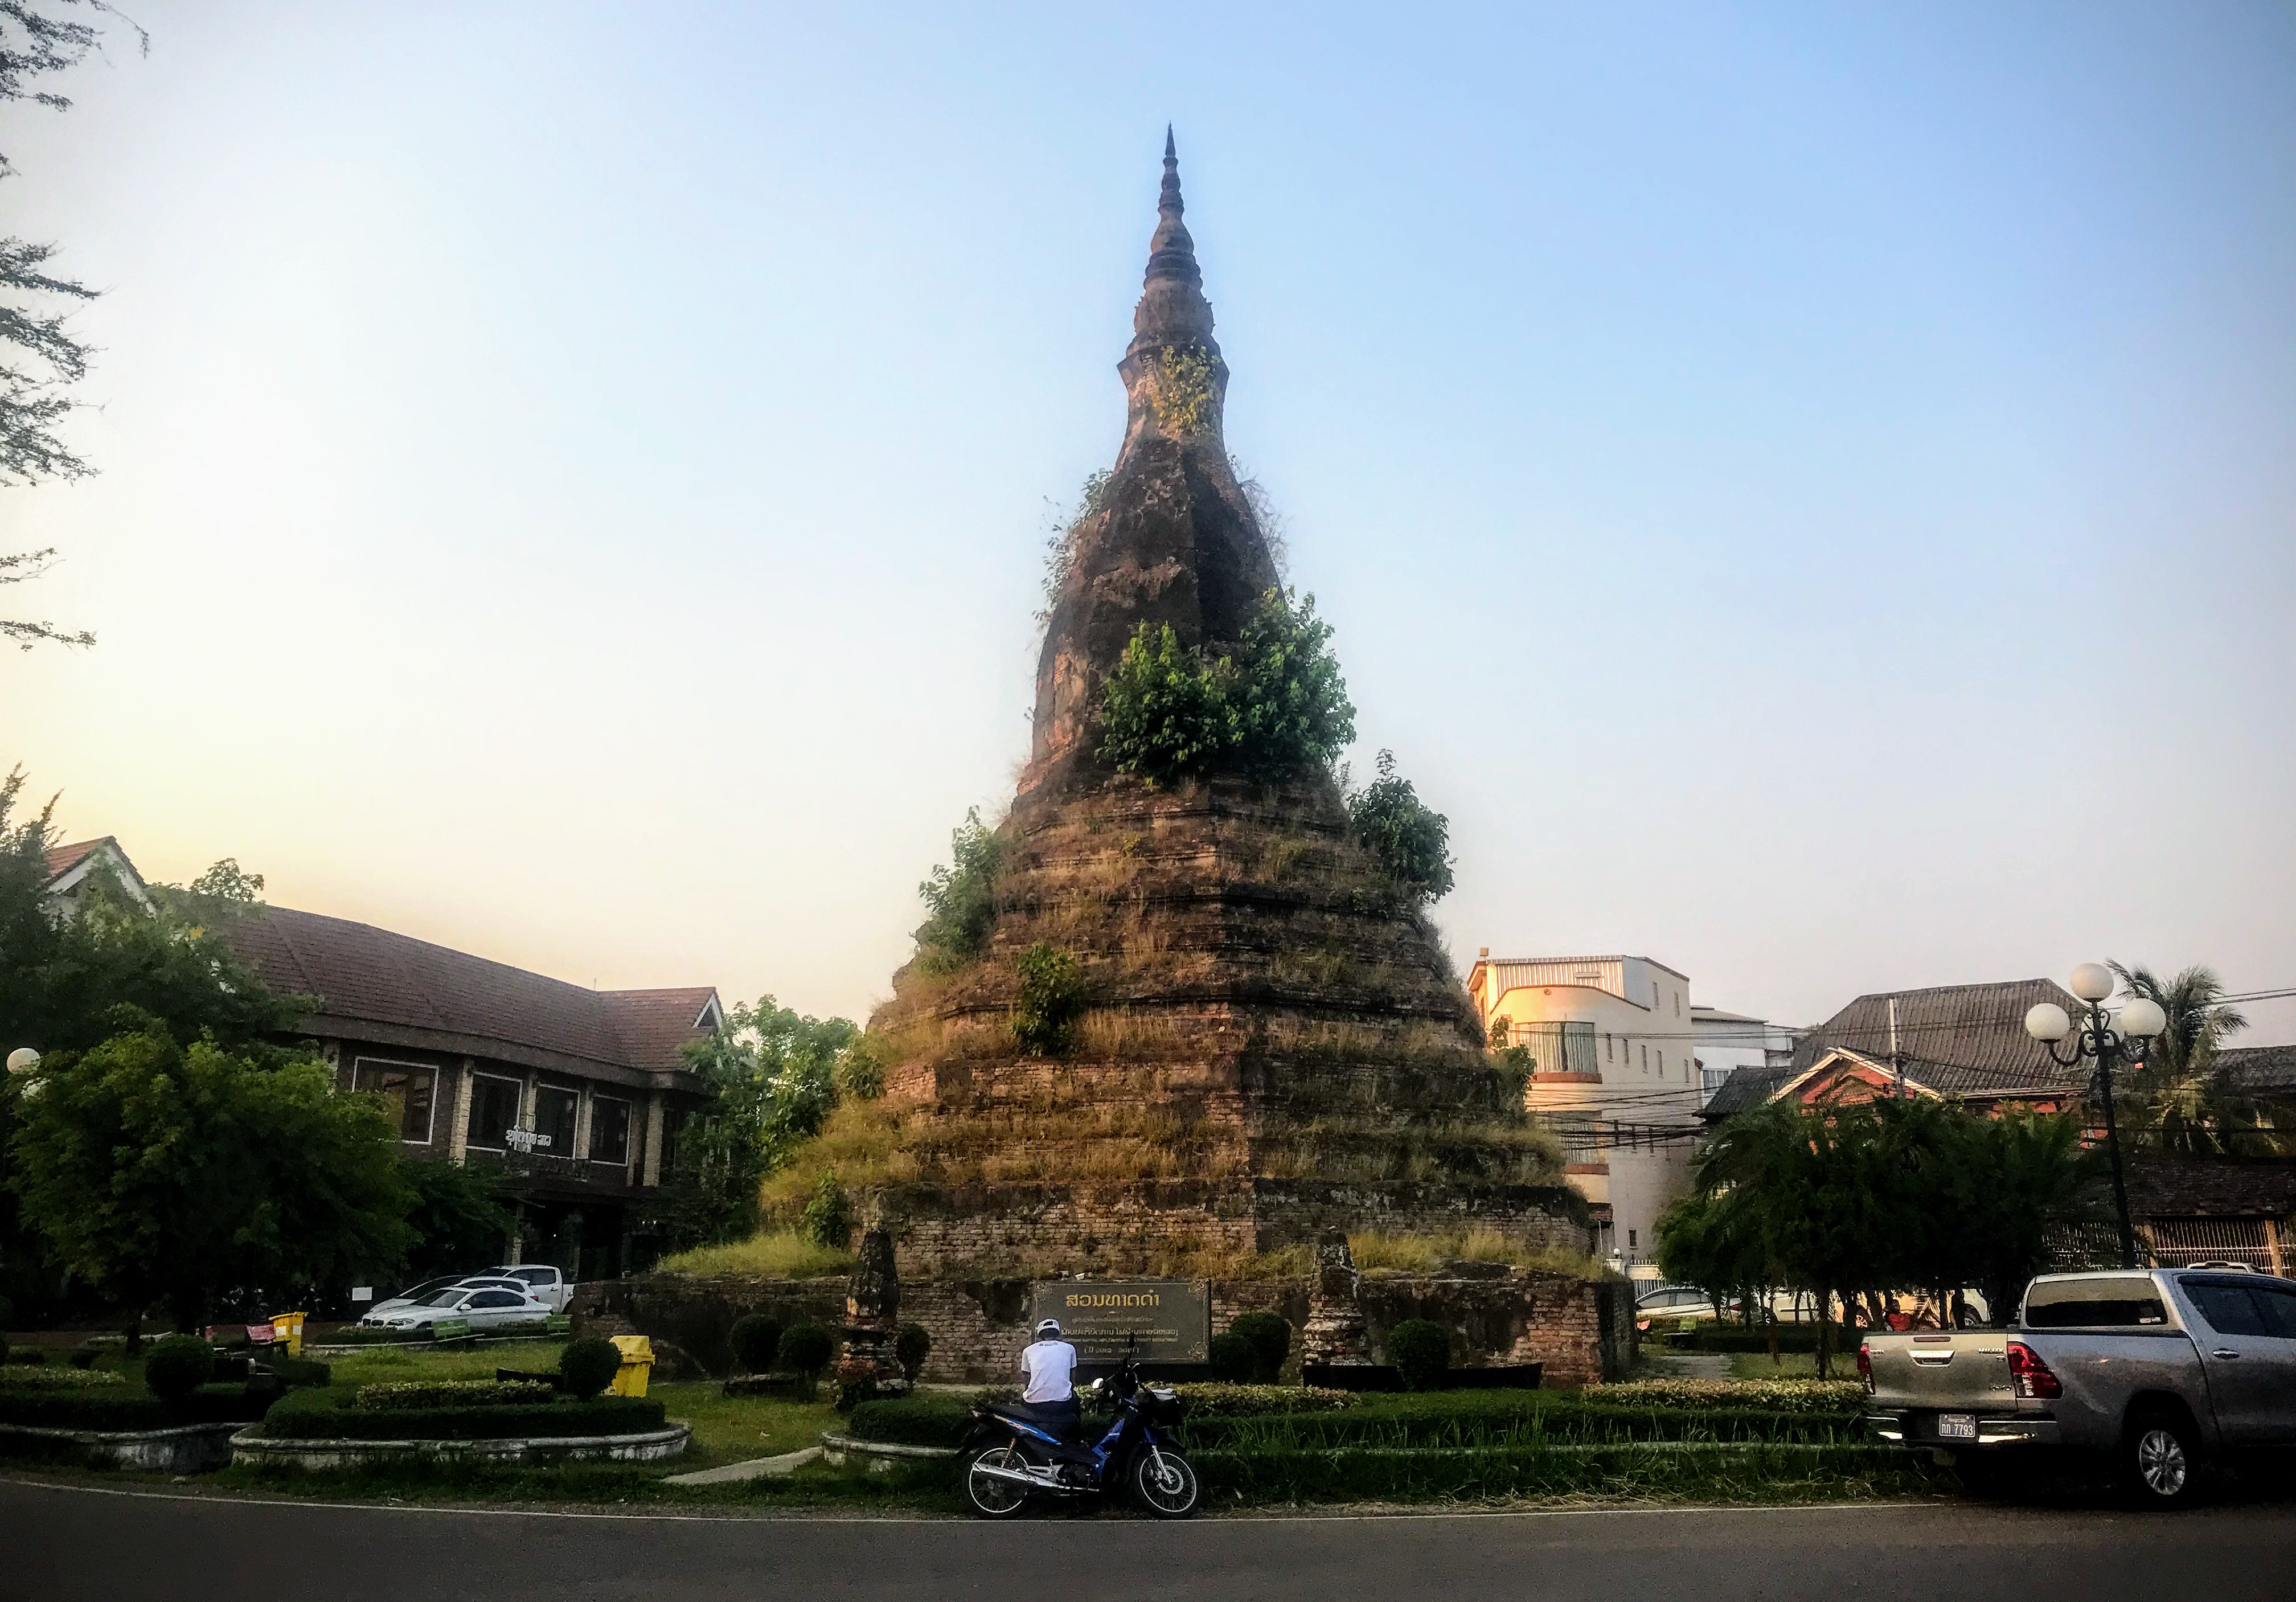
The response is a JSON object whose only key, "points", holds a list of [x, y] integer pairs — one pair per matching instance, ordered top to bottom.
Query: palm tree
{"points": [[2179, 1097]]}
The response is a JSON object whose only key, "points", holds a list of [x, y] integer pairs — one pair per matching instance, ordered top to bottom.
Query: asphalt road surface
{"points": [[64, 1544]]}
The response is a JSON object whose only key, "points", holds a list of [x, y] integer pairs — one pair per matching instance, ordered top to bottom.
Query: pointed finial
{"points": [[1169, 154], [1172, 310]]}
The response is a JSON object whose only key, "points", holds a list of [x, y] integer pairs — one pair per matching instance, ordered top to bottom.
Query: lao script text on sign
{"points": [[1157, 1320]]}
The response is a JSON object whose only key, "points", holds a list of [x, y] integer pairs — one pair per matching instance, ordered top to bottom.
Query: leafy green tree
{"points": [[40, 355], [1272, 706], [1410, 841], [960, 898], [60, 977], [1051, 999], [772, 1076], [2178, 1100], [165, 1174], [2010, 1184], [460, 1217], [1713, 1240]]}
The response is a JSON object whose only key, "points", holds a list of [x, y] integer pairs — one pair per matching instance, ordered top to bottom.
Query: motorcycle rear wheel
{"points": [[1165, 1483], [993, 1497]]}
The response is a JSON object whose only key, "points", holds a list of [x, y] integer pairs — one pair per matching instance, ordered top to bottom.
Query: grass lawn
{"points": [[1789, 1365]]}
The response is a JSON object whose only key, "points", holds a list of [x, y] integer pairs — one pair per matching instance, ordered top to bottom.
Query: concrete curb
{"points": [[652, 1447], [179, 1449], [878, 1456], [755, 1468]]}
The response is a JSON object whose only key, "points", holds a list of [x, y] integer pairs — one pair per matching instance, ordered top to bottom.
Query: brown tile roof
{"points": [[63, 858], [365, 975], [1958, 1039], [2162, 1185]]}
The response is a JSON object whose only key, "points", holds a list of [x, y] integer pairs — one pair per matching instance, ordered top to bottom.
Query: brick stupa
{"points": [[1276, 1043]]}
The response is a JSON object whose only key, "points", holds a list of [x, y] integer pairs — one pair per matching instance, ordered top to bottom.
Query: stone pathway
{"points": [[1692, 1365], [756, 1468]]}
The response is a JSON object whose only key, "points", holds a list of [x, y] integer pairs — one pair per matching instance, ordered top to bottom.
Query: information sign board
{"points": [[1159, 1320]]}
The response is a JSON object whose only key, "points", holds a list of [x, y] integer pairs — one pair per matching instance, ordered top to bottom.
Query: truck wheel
{"points": [[2160, 1461]]}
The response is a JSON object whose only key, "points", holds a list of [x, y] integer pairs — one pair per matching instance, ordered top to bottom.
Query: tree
{"points": [[43, 358], [1272, 705], [1411, 840], [960, 897], [61, 978], [773, 1079], [2177, 1099], [166, 1175], [2011, 1184], [459, 1217]]}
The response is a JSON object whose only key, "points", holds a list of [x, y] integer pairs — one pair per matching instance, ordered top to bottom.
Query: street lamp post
{"points": [[2096, 1036]]}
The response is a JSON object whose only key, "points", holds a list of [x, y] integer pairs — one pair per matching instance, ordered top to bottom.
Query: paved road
{"points": [[65, 1544]]}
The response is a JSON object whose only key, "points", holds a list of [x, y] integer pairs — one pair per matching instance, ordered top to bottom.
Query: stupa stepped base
{"points": [[1202, 1229]]}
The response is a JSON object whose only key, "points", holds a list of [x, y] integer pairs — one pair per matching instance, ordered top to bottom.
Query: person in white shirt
{"points": [[1048, 1367]]}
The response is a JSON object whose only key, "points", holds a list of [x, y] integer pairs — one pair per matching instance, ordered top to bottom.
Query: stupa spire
{"points": [[1172, 310]]}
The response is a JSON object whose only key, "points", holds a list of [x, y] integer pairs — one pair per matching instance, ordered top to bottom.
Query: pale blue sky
{"points": [[1810, 492]]}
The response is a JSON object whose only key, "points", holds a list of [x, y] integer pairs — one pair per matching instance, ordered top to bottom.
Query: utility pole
{"points": [[1897, 1057]]}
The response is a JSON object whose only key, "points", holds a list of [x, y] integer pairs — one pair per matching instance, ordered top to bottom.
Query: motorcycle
{"points": [[1009, 1456]]}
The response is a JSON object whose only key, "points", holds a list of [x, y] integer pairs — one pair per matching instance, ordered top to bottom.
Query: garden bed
{"points": [[333, 1415], [260, 1449]]}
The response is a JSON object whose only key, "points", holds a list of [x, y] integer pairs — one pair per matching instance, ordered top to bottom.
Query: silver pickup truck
{"points": [[2162, 1368]]}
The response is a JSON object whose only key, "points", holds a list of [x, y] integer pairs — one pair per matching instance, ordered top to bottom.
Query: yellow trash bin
{"points": [[288, 1327], [637, 1363]]}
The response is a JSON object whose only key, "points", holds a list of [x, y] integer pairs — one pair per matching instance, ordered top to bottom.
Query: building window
{"points": [[1677, 1004], [1609, 1048], [1645, 1059], [1661, 1061], [407, 1092], [494, 1110], [554, 1120], [609, 1130], [1632, 1243]]}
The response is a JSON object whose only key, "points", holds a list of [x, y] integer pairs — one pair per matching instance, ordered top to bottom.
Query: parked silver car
{"points": [[414, 1293], [481, 1307]]}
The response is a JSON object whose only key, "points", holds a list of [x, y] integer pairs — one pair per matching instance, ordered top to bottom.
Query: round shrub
{"points": [[1270, 1335], [755, 1339], [911, 1347], [806, 1348], [1421, 1351], [83, 1356], [1232, 1357], [178, 1366], [586, 1368]]}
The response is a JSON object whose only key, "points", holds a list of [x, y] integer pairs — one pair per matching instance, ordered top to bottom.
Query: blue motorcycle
{"points": [[1008, 1456]]}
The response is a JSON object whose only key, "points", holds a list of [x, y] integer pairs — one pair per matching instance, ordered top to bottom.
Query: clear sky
{"points": [[1810, 491]]}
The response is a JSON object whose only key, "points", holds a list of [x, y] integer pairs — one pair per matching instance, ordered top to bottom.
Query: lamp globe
{"points": [[2091, 982], [2143, 1017], [2048, 1023], [23, 1060]]}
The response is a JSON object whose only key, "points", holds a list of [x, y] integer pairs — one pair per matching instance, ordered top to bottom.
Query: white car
{"points": [[542, 1280], [414, 1293], [481, 1307]]}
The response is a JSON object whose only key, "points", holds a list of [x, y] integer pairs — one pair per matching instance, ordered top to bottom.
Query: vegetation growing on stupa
{"points": [[1184, 389], [1272, 706], [1411, 839]]}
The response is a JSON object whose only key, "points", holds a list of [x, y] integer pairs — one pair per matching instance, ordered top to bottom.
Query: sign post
{"points": [[1160, 1322]]}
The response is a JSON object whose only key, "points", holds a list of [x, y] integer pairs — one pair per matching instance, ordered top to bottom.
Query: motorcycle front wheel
{"points": [[1165, 1483], [992, 1498]]}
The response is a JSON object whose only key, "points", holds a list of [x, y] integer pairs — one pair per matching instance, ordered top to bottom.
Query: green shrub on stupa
{"points": [[1272, 705]]}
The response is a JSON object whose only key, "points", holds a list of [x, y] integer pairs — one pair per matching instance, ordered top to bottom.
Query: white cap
{"points": [[1050, 1327]]}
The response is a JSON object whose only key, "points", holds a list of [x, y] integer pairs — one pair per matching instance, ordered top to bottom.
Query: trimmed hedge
{"points": [[16, 1380], [401, 1395], [124, 1407], [322, 1415], [911, 1420], [1453, 1420], [1754, 1472]]}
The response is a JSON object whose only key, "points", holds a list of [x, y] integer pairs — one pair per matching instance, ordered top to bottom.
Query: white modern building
{"points": [[1726, 1042], [1614, 1073]]}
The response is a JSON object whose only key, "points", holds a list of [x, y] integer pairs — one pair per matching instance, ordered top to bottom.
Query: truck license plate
{"points": [[1956, 1426]]}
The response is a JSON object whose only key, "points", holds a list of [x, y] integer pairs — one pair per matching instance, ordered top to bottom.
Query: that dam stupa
{"points": [[1272, 1041]]}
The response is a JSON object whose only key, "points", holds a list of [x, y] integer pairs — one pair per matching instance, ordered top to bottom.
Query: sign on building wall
{"points": [[1170, 1319]]}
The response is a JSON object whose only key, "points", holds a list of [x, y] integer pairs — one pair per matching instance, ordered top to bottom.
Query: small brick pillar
{"points": [[1335, 1331], [866, 1364]]}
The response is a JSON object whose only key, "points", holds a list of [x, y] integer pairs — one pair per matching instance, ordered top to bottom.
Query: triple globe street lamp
{"points": [[2108, 1038]]}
